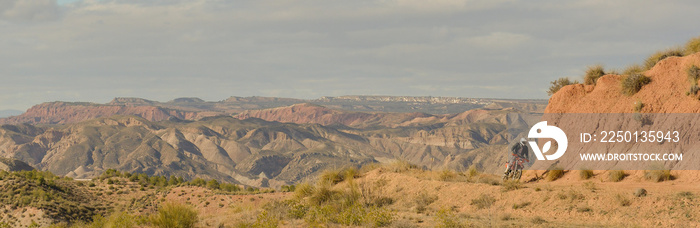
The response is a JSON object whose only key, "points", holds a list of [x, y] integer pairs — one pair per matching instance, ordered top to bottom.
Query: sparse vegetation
{"points": [[692, 46], [660, 55], [633, 69], [693, 73], [592, 74], [693, 77], [633, 83], [556, 85], [637, 106], [401, 166], [472, 171], [555, 173], [585, 174], [447, 175], [616, 175], [658, 175], [509, 185], [590, 186], [46, 191], [570, 195], [686, 195], [422, 200], [622, 200], [335, 201], [483, 201], [521, 205], [583, 209], [174, 215], [447, 219], [538, 220]]}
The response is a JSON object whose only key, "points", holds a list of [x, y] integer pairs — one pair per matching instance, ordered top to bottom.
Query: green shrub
{"points": [[692, 46], [658, 56], [633, 69], [592, 74], [633, 83], [556, 85], [401, 166], [472, 171], [555, 173], [585, 174], [447, 175], [616, 175], [658, 175], [333, 177], [213, 184], [287, 188], [304, 190], [322, 194], [422, 200], [483, 201], [174, 215], [379, 217], [447, 219], [265, 220]]}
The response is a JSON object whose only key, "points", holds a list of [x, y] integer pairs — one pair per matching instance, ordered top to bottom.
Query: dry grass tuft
{"points": [[692, 46], [661, 55], [592, 74], [633, 83], [556, 85], [555, 173], [585, 174], [616, 175], [658, 175], [483, 201]]}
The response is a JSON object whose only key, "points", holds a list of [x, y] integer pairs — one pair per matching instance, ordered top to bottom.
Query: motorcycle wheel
{"points": [[517, 174]]}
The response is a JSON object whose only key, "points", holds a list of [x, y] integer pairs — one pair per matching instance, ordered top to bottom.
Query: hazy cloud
{"points": [[28, 10], [95, 50]]}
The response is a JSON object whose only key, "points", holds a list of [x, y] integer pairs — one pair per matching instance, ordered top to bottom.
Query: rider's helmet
{"points": [[523, 140]]}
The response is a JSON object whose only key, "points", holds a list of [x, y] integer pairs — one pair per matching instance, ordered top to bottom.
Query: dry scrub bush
{"points": [[692, 46], [660, 55], [592, 74], [633, 83], [556, 85], [555, 173], [585, 174], [616, 175], [658, 175]]}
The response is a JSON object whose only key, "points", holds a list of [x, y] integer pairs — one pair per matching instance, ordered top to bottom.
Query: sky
{"points": [[95, 50]]}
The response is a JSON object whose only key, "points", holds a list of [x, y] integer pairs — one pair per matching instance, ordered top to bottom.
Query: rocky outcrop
{"points": [[663, 104]]}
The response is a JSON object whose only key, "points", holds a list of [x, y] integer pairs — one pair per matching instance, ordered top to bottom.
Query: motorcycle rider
{"points": [[518, 151]]}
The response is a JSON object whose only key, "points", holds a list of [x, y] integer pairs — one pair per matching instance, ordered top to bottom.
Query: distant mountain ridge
{"points": [[195, 108]]}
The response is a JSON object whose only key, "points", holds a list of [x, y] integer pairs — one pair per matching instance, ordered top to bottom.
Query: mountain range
{"points": [[256, 147]]}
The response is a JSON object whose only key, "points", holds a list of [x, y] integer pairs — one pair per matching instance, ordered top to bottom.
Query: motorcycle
{"points": [[514, 170]]}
